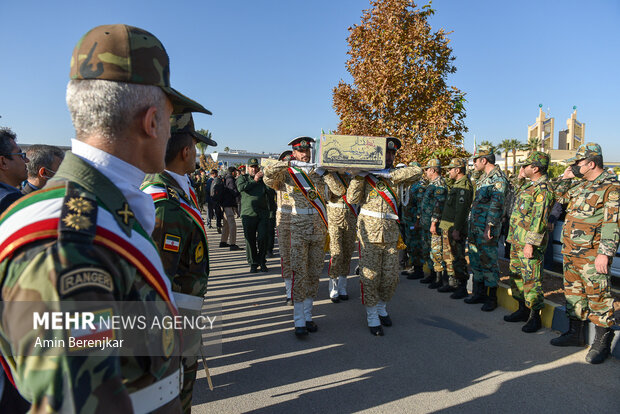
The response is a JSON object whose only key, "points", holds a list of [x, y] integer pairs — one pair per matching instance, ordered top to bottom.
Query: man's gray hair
{"points": [[107, 108], [42, 156]]}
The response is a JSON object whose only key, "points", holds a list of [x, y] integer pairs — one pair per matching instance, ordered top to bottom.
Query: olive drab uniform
{"points": [[434, 196], [438, 200], [454, 217], [342, 224], [78, 226], [308, 232], [181, 240]]}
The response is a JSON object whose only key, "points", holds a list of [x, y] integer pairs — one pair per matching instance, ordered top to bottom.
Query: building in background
{"points": [[542, 130], [574, 135], [233, 157]]}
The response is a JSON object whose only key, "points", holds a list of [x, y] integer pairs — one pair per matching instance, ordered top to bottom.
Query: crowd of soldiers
{"points": [[120, 221]]}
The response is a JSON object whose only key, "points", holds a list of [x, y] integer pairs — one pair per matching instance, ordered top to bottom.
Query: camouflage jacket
{"points": [[416, 194], [432, 202], [488, 205], [532, 205], [456, 208], [340, 215], [591, 222], [374, 229], [187, 260], [74, 261]]}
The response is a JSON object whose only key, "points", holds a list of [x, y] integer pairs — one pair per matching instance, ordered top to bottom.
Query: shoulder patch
{"points": [[498, 185], [439, 191], [462, 192], [614, 196], [540, 198], [172, 243], [199, 253], [85, 278]]}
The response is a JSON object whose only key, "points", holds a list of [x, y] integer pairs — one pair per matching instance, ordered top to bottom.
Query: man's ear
{"points": [[149, 121], [186, 152], [3, 162], [41, 172]]}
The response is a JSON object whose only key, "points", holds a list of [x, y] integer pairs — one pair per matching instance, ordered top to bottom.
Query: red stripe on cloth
{"points": [[159, 196], [384, 196], [315, 205], [44, 229], [7, 370]]}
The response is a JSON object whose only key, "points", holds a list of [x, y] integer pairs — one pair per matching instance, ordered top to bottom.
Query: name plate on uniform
{"points": [[351, 151]]}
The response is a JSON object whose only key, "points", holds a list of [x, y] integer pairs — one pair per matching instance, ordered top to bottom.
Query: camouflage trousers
{"points": [[414, 242], [284, 244], [341, 246], [426, 246], [436, 252], [454, 255], [483, 259], [306, 265], [378, 272], [526, 276], [587, 292], [189, 379]]}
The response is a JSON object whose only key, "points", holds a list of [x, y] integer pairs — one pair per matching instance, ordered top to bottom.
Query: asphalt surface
{"points": [[441, 355]]}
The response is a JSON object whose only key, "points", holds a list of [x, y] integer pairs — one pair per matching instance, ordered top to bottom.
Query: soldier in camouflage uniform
{"points": [[305, 188], [434, 195], [178, 218], [485, 222], [342, 223], [283, 224], [454, 229], [377, 230], [413, 235], [527, 235], [84, 237], [590, 241]]}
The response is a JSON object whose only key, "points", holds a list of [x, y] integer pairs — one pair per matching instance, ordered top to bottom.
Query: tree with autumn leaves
{"points": [[400, 67]]}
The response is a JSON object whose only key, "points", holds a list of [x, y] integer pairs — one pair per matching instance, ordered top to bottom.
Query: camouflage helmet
{"points": [[121, 53], [184, 123], [393, 144], [588, 150], [483, 151], [537, 159], [253, 161], [433, 162], [457, 163], [415, 164]]}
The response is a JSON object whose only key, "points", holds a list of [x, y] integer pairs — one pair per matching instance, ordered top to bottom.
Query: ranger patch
{"points": [[172, 243], [199, 253], [86, 277]]}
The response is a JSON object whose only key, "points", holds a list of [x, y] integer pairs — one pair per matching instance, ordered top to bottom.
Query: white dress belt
{"points": [[337, 205], [284, 209], [296, 210], [378, 215], [185, 301], [157, 394]]}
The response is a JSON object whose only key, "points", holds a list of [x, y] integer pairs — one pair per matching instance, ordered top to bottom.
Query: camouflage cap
{"points": [[121, 53], [184, 123], [301, 143], [393, 144], [588, 150], [483, 151], [285, 156], [537, 159], [253, 161], [433, 162], [457, 163], [414, 164]]}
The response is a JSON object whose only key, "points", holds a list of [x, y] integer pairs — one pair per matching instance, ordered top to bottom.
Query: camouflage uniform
{"points": [[437, 200], [432, 201], [454, 217], [409, 220], [342, 224], [528, 225]]}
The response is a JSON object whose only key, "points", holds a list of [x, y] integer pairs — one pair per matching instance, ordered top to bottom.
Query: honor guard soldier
{"points": [[305, 188], [432, 205], [342, 223], [484, 228], [454, 229], [378, 232], [527, 235], [85, 236], [180, 236], [413, 236], [590, 242]]}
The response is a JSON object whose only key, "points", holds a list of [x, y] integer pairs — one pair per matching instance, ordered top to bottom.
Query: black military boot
{"points": [[418, 273], [430, 278], [448, 282], [437, 283], [460, 291], [478, 294], [491, 302], [520, 315], [533, 322], [575, 336], [601, 347]]}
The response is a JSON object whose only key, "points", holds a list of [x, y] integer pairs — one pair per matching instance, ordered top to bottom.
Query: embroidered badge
{"points": [[498, 185], [381, 186], [462, 192], [312, 195], [613, 196], [539, 198], [80, 205], [125, 213], [77, 221], [172, 243], [199, 253], [86, 277]]}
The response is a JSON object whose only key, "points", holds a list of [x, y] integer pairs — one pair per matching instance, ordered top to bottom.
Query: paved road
{"points": [[441, 355]]}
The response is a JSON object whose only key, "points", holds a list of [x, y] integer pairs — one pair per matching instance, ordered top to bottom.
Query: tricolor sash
{"points": [[382, 187], [307, 188], [159, 192], [344, 196], [17, 229]]}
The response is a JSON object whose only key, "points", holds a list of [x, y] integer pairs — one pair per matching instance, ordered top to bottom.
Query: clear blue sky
{"points": [[266, 69]]}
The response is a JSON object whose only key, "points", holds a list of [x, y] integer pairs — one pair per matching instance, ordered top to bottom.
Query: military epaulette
{"points": [[78, 216]]}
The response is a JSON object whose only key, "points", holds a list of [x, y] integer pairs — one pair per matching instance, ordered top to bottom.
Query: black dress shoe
{"points": [[219, 230], [224, 244], [234, 247], [263, 268], [253, 269], [343, 297], [335, 299], [385, 320], [311, 326], [376, 330], [301, 331]]}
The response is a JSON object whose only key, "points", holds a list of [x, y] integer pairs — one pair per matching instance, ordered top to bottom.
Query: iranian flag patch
{"points": [[172, 243]]}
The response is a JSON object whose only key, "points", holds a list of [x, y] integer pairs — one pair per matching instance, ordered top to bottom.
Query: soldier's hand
{"points": [[568, 174], [259, 176], [433, 228], [456, 235], [488, 235], [528, 251], [601, 263]]}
